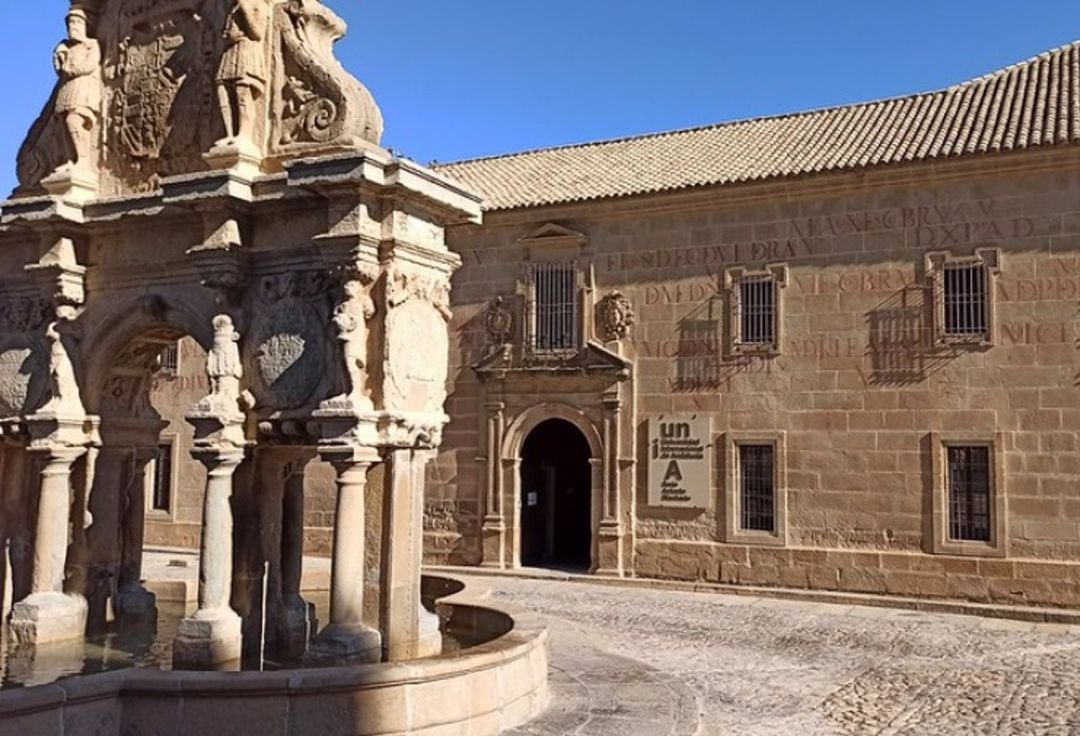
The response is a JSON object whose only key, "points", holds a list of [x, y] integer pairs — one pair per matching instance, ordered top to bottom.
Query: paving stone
{"points": [[644, 662]]}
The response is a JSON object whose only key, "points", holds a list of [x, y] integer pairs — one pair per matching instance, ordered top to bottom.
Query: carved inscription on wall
{"points": [[941, 226], [680, 462]]}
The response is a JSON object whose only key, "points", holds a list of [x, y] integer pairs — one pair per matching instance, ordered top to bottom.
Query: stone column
{"points": [[494, 526], [609, 546], [135, 605], [48, 615], [298, 621], [409, 631], [212, 636], [347, 637]]}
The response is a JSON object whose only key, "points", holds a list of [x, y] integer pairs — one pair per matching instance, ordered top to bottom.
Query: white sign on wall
{"points": [[680, 462]]}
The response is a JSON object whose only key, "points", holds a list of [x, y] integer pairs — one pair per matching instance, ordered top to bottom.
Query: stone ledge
{"points": [[431, 696]]}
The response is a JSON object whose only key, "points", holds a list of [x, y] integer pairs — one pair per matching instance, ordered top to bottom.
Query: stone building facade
{"points": [[835, 350]]}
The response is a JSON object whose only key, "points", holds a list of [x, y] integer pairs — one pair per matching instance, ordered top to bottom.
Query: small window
{"points": [[757, 299], [966, 310], [556, 317], [169, 360], [161, 479], [756, 487], [969, 493]]}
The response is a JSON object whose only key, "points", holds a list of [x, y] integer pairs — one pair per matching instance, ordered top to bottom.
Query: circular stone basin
{"points": [[481, 689]]}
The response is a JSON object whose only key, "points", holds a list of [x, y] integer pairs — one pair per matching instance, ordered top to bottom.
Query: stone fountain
{"points": [[207, 168]]}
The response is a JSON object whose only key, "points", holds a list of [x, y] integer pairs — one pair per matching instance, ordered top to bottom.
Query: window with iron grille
{"points": [[965, 299], [556, 307], [757, 311], [169, 360], [757, 487], [161, 491], [969, 493]]}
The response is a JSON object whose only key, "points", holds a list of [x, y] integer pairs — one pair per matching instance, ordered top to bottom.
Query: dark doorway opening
{"points": [[556, 497]]}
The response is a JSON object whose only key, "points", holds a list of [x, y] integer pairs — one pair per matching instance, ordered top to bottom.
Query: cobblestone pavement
{"points": [[633, 661]]}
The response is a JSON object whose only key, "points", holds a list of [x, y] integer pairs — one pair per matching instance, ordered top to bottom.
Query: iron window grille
{"points": [[965, 300], [555, 309], [757, 311], [168, 360], [757, 487], [161, 491], [969, 493]]}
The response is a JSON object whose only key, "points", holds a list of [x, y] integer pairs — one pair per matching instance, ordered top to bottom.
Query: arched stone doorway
{"points": [[556, 497]]}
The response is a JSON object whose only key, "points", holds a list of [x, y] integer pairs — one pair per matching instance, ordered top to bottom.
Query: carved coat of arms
{"points": [[157, 72], [148, 86]]}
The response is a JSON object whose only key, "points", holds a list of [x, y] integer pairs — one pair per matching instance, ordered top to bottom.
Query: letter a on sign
{"points": [[673, 473]]}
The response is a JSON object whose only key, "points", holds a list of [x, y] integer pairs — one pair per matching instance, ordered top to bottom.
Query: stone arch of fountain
{"points": [[206, 168]]}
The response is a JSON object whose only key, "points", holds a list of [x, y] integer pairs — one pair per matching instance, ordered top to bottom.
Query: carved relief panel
{"points": [[286, 345], [417, 347], [23, 354]]}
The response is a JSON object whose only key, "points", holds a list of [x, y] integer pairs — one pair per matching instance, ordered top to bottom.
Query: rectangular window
{"points": [[757, 297], [965, 299], [556, 307], [169, 360], [757, 490], [161, 491], [969, 494]]}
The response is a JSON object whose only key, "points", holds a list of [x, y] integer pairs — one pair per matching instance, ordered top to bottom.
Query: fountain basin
{"points": [[481, 690]]}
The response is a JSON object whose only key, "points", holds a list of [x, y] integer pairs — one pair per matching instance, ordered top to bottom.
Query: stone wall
{"points": [[859, 391]]}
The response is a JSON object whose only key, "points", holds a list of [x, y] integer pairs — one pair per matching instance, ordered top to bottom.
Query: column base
{"points": [[493, 534], [609, 556], [136, 607], [48, 618], [298, 626], [208, 640], [430, 643], [347, 644]]}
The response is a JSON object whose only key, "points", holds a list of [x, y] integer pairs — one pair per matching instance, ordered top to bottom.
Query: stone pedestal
{"points": [[494, 540], [609, 543], [48, 615], [48, 618], [410, 632], [212, 637], [347, 637]]}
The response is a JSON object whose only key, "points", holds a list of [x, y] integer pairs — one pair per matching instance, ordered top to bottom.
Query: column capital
{"points": [[58, 455], [343, 457], [218, 459]]}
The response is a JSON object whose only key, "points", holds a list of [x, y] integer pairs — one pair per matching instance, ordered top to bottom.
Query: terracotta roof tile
{"points": [[1034, 103]]}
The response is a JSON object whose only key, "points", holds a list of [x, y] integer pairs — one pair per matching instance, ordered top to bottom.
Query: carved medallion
{"points": [[615, 316], [287, 354], [418, 354], [23, 376]]}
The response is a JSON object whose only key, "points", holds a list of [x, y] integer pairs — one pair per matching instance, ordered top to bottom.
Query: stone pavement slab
{"points": [[637, 661]]}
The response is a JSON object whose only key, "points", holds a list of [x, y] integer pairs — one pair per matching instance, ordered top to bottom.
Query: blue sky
{"points": [[480, 77]]}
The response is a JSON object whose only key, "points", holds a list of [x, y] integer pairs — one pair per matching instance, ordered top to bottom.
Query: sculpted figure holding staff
{"points": [[242, 73], [78, 100]]}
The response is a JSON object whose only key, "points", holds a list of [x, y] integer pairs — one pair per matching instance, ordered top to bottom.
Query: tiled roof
{"points": [[1033, 103]]}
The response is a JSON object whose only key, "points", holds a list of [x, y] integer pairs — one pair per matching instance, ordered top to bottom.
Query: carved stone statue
{"points": [[242, 74], [78, 100], [350, 319], [223, 367], [64, 386]]}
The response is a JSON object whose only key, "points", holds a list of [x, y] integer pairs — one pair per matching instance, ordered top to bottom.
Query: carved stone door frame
{"points": [[605, 419]]}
